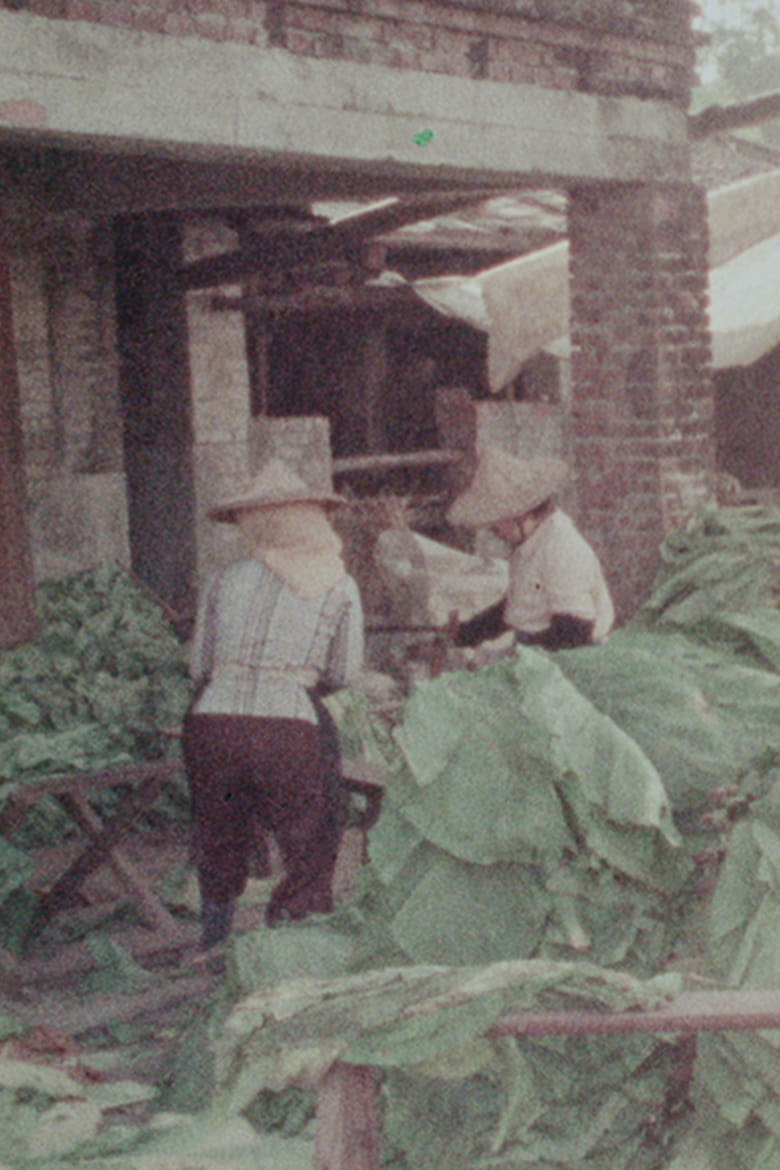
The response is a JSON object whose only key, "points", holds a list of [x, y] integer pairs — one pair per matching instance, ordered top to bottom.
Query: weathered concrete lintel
{"points": [[67, 78], [742, 214]]}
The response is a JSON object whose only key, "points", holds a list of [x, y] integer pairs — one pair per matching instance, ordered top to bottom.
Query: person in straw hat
{"points": [[557, 596], [275, 631]]}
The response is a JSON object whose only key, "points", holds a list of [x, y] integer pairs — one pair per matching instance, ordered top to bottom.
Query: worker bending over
{"points": [[557, 596]]}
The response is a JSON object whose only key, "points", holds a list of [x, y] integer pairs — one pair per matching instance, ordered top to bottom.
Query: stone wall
{"points": [[609, 47], [63, 312], [220, 406]]}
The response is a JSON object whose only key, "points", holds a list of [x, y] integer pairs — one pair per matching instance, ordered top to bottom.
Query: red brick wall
{"points": [[597, 46], [642, 388]]}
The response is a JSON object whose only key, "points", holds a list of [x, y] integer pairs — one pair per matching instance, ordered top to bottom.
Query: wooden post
{"points": [[256, 339], [374, 380], [154, 382], [17, 583], [348, 1127]]}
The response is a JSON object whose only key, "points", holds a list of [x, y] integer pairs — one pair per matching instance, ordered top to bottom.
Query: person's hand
{"points": [[488, 652]]}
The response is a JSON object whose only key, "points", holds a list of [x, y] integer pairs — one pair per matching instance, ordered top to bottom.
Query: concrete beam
{"points": [[68, 78], [743, 214]]}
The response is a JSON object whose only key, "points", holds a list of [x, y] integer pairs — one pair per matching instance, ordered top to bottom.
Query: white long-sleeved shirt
{"points": [[556, 571], [258, 644]]}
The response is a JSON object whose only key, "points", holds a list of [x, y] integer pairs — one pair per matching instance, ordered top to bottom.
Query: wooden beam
{"points": [[717, 119], [274, 252], [269, 256], [318, 299], [374, 356], [154, 388], [390, 462], [18, 620], [129, 875], [67, 886], [103, 1009], [693, 1011], [348, 1125]]}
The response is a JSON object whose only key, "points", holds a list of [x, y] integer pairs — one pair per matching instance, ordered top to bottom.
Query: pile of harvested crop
{"points": [[725, 560], [99, 686], [554, 808], [547, 838]]}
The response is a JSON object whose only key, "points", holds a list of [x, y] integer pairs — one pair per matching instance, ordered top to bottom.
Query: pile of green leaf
{"points": [[726, 560], [100, 684], [557, 807], [519, 821], [541, 845], [457, 1096], [46, 1112], [74, 1114]]}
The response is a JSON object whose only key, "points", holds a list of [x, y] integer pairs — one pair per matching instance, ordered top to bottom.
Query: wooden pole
{"points": [[722, 119], [375, 382], [17, 584], [746, 1009], [348, 1128]]}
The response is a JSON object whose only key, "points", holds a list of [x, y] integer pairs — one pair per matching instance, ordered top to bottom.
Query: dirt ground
{"points": [[68, 1009]]}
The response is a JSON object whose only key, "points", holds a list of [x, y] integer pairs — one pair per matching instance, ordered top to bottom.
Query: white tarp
{"points": [[523, 304], [745, 306]]}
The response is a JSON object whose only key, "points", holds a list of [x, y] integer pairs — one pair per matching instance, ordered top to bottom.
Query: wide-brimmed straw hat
{"points": [[276, 483], [504, 486]]}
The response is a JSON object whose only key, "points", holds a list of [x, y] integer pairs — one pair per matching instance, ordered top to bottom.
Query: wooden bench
{"points": [[103, 837]]}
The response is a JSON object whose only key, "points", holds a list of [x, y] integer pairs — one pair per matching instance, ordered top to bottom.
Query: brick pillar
{"points": [[642, 393]]}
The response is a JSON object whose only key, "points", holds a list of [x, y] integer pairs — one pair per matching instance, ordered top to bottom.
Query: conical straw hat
{"points": [[276, 483], [504, 486]]}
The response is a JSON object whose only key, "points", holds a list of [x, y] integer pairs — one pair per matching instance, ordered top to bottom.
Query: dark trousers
{"points": [[244, 770]]}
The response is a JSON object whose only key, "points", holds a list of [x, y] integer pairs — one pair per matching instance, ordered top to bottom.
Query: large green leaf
{"points": [[725, 560], [703, 716], [486, 751], [457, 911], [744, 919], [402, 1016], [736, 1092]]}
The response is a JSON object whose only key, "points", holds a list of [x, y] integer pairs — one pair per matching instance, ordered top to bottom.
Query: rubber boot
{"points": [[216, 918]]}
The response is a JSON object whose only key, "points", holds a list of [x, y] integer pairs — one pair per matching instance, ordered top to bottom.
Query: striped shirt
{"points": [[257, 645]]}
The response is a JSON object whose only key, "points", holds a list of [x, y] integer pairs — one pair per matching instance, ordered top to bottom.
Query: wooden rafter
{"points": [[717, 119], [269, 254], [315, 299]]}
